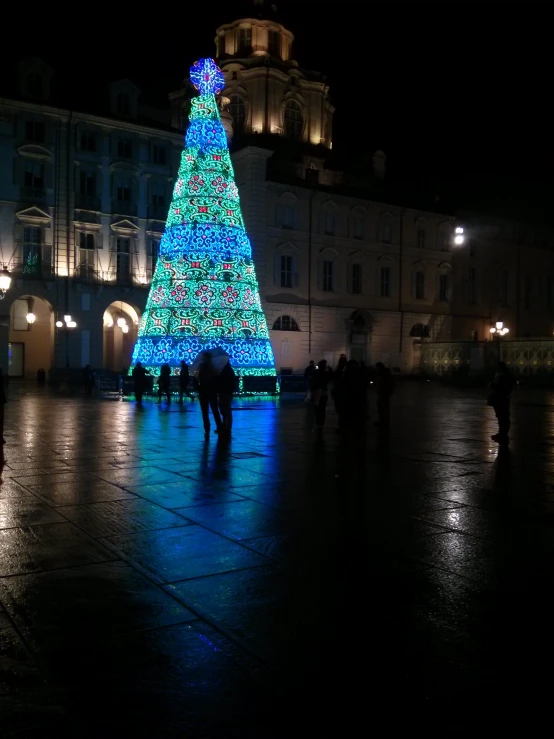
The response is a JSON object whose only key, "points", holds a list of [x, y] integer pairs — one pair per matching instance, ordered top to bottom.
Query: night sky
{"points": [[455, 90]]}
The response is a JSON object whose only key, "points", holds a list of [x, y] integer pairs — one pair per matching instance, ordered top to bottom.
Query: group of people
{"points": [[348, 386], [215, 390]]}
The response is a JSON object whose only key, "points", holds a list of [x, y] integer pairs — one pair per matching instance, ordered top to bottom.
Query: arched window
{"points": [[237, 108], [294, 121], [285, 323], [420, 330]]}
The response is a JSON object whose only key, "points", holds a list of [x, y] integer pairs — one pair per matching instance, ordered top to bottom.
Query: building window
{"points": [[245, 39], [274, 43], [34, 85], [123, 104], [237, 108], [294, 122], [35, 131], [87, 141], [125, 148], [158, 154], [33, 175], [87, 183], [123, 190], [158, 194], [285, 216], [327, 223], [357, 227], [386, 232], [421, 238], [444, 240], [32, 248], [472, 248], [87, 255], [123, 256], [152, 257], [328, 270], [286, 271], [356, 279], [420, 285], [472, 286], [384, 288], [443, 288], [285, 323]]}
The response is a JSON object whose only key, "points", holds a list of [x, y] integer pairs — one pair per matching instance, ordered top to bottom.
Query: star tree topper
{"points": [[207, 77]]}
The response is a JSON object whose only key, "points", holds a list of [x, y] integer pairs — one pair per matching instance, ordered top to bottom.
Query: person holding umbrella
{"points": [[207, 392]]}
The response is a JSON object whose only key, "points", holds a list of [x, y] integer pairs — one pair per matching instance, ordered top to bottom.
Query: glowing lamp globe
{"points": [[5, 280], [31, 318], [121, 322], [59, 324]]}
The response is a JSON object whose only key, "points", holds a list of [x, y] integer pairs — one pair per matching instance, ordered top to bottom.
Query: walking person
{"points": [[308, 374], [184, 377], [88, 379], [139, 381], [164, 382], [226, 388], [385, 389], [207, 393], [320, 395], [499, 398], [3, 401]]}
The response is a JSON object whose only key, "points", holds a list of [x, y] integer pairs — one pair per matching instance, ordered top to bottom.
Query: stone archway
{"points": [[121, 321], [31, 337]]}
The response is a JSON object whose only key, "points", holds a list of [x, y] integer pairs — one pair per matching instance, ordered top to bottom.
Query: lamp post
{"points": [[5, 282], [66, 326], [500, 330]]}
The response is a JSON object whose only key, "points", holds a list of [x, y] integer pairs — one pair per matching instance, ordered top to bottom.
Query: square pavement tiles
{"points": [[153, 583]]}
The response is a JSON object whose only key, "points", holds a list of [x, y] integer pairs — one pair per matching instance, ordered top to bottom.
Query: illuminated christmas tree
{"points": [[204, 292]]}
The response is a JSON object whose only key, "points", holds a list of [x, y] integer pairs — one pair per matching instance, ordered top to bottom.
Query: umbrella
{"points": [[219, 359]]}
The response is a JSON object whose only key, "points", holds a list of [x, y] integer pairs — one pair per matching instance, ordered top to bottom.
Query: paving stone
{"points": [[97, 491], [26, 512], [120, 517], [243, 519], [48, 547], [181, 553]]}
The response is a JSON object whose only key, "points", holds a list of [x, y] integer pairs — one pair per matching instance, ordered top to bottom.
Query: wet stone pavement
{"points": [[154, 584]]}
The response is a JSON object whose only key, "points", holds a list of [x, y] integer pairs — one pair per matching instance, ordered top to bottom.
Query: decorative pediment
{"points": [[34, 151], [124, 166], [33, 215], [87, 226], [125, 227], [286, 246], [329, 252], [356, 255], [385, 260]]}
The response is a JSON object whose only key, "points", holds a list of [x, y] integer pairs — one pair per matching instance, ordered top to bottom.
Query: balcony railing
{"points": [[33, 194], [87, 202], [124, 208], [157, 212], [31, 270]]}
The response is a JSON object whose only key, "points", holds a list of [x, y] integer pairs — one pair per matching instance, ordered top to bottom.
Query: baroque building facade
{"points": [[345, 264]]}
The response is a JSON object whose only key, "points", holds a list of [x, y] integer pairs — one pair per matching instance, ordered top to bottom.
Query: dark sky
{"points": [[456, 89]]}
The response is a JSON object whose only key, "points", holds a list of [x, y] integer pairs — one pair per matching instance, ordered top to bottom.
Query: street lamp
{"points": [[459, 236], [5, 282], [66, 325], [500, 330]]}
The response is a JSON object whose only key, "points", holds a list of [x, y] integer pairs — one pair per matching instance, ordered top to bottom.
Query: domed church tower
{"points": [[268, 92]]}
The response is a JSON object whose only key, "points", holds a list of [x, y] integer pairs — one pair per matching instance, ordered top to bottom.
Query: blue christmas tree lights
{"points": [[204, 292]]}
